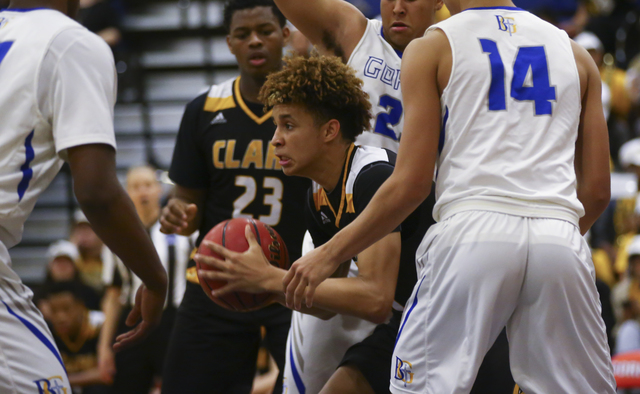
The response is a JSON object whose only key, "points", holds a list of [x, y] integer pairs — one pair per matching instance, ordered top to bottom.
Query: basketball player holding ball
{"points": [[224, 167]]}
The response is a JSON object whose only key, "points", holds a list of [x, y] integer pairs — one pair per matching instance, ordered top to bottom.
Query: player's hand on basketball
{"points": [[176, 216], [248, 271], [305, 275], [149, 306]]}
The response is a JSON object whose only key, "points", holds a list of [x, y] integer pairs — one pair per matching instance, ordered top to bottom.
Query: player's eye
{"points": [[288, 126]]}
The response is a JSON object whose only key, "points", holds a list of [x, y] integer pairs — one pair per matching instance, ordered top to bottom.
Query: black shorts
{"points": [[214, 350], [373, 355]]}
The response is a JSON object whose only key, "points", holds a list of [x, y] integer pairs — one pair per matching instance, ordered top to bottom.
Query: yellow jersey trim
{"points": [[215, 104], [246, 109]]}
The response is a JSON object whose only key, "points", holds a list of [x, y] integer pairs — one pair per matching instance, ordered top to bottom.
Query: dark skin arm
{"points": [[183, 213], [114, 219]]}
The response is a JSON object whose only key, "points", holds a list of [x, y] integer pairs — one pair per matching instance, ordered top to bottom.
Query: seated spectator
{"points": [[100, 17], [92, 251], [62, 268], [629, 287], [629, 332], [76, 335]]}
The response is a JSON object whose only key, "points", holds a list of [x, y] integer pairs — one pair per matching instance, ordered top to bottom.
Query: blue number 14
{"points": [[528, 58]]}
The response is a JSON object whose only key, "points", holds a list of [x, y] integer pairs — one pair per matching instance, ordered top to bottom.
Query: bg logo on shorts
{"points": [[403, 371], [52, 385]]}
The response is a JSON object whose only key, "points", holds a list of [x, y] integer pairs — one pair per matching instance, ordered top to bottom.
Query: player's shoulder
{"points": [[220, 96], [369, 162]]}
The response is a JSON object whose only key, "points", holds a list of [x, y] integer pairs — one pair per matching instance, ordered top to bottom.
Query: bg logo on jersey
{"points": [[506, 24], [403, 371], [52, 385]]}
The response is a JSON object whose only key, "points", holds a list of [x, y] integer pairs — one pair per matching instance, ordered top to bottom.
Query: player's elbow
{"points": [[379, 309]]}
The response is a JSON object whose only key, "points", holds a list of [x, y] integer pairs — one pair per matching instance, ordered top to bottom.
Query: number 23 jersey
{"points": [[223, 146]]}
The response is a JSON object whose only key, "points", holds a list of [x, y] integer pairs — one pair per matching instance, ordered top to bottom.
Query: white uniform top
{"points": [[377, 64], [58, 91], [511, 113]]}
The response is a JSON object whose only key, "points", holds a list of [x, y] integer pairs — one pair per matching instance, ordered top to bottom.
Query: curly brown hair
{"points": [[326, 87]]}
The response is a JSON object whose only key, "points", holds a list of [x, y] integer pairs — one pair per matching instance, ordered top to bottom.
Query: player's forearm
{"points": [[595, 202], [389, 207], [115, 221], [345, 296], [111, 307], [85, 378]]}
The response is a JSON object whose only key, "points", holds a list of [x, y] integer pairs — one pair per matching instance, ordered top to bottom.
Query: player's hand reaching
{"points": [[177, 216], [249, 271], [305, 275], [149, 305]]}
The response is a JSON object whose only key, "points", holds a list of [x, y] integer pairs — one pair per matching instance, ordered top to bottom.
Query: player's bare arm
{"points": [[334, 26], [424, 76], [592, 145], [181, 214], [113, 217], [368, 296]]}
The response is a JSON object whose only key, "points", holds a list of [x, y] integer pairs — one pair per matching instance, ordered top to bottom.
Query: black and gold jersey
{"points": [[223, 146], [365, 170], [79, 354]]}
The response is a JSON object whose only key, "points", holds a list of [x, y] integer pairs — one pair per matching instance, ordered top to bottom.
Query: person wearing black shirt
{"points": [[319, 109], [223, 167]]}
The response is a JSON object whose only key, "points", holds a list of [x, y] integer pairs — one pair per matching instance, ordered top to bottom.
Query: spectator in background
{"points": [[570, 15], [100, 17], [592, 44], [92, 252], [62, 268], [629, 287], [76, 331], [628, 337], [138, 368]]}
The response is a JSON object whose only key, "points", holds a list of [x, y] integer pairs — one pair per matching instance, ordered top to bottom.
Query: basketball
{"points": [[230, 234]]}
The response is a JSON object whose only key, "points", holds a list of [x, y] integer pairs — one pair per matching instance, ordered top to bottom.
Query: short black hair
{"points": [[231, 6], [73, 287]]}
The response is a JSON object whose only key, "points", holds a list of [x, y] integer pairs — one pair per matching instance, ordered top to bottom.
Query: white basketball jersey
{"points": [[377, 64], [511, 112], [42, 116]]}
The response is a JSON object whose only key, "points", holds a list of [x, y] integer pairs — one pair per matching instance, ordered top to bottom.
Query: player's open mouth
{"points": [[399, 27], [257, 60], [283, 160]]}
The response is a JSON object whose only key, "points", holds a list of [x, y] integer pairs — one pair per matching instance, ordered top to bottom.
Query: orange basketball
{"points": [[230, 234]]}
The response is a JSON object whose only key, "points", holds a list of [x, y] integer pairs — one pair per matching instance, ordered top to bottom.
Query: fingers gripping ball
{"points": [[230, 234]]}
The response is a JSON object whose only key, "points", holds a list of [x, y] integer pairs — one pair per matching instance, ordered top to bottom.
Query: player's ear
{"points": [[439, 5], [286, 34], [229, 44], [331, 130]]}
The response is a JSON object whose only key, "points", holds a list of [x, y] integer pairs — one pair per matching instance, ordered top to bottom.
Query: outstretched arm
{"points": [[334, 26], [592, 145], [407, 187], [114, 219]]}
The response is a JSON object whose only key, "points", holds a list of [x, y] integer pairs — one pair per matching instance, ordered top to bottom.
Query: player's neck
{"points": [[28, 4], [466, 4], [250, 87], [331, 168], [149, 216]]}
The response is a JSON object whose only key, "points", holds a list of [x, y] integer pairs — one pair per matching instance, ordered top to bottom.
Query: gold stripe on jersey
{"points": [[215, 104], [246, 109], [343, 197], [192, 275]]}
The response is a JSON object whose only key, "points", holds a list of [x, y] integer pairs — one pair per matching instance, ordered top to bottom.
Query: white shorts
{"points": [[479, 271], [315, 347], [29, 359]]}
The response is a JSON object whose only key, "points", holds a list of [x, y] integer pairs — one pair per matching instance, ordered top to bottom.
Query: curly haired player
{"points": [[319, 109]]}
